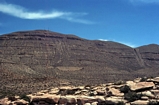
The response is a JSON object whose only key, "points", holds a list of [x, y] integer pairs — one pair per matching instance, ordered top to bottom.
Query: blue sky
{"points": [[131, 22]]}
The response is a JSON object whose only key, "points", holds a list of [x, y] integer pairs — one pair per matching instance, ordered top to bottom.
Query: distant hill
{"points": [[34, 60]]}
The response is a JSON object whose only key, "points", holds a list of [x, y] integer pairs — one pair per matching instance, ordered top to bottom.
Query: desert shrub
{"points": [[144, 79], [125, 89], [70, 92], [91, 94], [108, 94], [132, 96], [25, 97], [11, 98], [121, 103], [153, 103]]}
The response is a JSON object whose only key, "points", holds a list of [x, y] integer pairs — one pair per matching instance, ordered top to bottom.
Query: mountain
{"points": [[38, 59]]}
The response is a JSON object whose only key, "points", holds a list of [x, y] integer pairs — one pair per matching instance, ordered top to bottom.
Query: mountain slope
{"points": [[48, 58]]}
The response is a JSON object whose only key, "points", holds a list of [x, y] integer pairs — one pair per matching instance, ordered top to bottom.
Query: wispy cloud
{"points": [[144, 1], [23, 13], [79, 20], [103, 39], [125, 43], [128, 44]]}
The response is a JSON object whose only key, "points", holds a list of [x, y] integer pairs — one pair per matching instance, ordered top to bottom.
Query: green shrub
{"points": [[144, 79], [125, 89], [70, 92], [91, 94], [132, 96], [25, 97], [11, 98], [121, 103], [153, 103]]}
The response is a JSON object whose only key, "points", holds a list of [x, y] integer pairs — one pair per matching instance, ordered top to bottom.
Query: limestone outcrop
{"points": [[136, 92]]}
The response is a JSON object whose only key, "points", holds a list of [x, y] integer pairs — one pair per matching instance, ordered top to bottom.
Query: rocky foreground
{"points": [[141, 91]]}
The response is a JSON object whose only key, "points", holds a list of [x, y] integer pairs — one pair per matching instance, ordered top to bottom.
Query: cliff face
{"points": [[150, 54], [42, 55]]}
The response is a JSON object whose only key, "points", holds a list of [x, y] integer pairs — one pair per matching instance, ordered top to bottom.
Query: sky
{"points": [[131, 22]]}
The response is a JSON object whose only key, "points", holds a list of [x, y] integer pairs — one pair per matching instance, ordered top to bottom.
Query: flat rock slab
{"points": [[156, 79], [141, 85], [116, 99], [140, 102]]}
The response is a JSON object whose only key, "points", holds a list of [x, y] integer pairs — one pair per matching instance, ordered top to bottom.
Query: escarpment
{"points": [[39, 59]]}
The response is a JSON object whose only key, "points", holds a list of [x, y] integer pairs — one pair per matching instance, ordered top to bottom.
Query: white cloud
{"points": [[20, 12], [103, 39], [125, 43]]}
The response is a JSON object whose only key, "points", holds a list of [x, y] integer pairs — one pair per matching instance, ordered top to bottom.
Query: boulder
{"points": [[156, 79], [137, 80], [130, 82], [140, 85], [80, 87], [67, 90], [84, 90], [44, 91], [54, 91], [77, 92], [100, 92], [115, 92], [95, 93], [156, 93], [39, 94], [148, 94], [47, 98], [99, 98], [144, 98], [55, 99], [85, 99], [62, 100], [71, 100], [115, 100], [5, 101], [20, 102], [139, 102], [94, 103], [87, 104]]}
